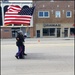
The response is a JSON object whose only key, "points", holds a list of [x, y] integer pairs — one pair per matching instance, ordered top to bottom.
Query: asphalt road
{"points": [[44, 57]]}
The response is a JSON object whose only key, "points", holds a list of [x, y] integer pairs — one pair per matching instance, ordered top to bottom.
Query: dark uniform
{"points": [[19, 43]]}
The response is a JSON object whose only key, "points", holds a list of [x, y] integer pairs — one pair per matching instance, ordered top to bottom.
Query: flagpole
{"points": [[30, 22], [27, 28]]}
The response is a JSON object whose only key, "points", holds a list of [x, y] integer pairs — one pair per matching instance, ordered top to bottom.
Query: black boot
{"points": [[24, 54], [16, 56]]}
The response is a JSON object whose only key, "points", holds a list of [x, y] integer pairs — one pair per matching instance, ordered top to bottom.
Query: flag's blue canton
{"points": [[26, 11]]}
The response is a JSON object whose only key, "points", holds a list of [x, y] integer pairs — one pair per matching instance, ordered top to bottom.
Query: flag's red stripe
{"points": [[15, 8], [12, 10], [18, 16], [17, 22]]}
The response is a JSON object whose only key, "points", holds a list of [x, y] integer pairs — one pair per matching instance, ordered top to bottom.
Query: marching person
{"points": [[20, 43]]}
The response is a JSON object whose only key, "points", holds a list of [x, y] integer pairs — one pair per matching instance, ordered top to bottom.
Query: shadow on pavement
{"points": [[47, 56]]}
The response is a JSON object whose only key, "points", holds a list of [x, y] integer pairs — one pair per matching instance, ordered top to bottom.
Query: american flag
{"points": [[17, 15]]}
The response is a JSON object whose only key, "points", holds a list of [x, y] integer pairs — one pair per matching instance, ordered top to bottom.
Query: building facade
{"points": [[51, 19], [54, 19]]}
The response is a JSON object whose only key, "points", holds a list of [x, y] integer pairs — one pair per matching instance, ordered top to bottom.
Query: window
{"points": [[43, 14], [57, 14], [68, 14], [6, 30], [48, 31], [52, 31], [72, 31], [45, 32]]}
